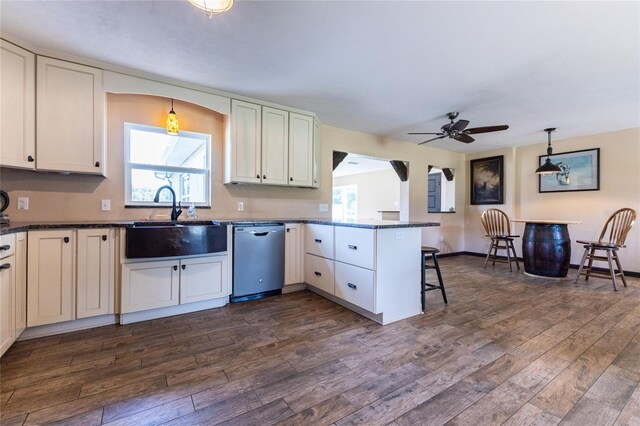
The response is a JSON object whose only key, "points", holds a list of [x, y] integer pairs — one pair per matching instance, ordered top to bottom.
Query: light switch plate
{"points": [[23, 203], [106, 205], [240, 206], [324, 207]]}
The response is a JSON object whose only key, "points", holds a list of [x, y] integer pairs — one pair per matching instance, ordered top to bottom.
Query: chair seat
{"points": [[504, 237], [599, 244], [429, 250]]}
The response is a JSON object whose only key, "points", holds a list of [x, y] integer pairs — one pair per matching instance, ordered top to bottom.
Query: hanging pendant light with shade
{"points": [[212, 7], [172, 122], [548, 167]]}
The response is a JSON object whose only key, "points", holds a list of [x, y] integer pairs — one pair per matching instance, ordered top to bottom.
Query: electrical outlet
{"points": [[23, 203], [106, 205], [240, 206], [324, 207], [399, 235]]}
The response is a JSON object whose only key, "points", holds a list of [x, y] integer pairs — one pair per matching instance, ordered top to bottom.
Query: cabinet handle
{"points": [[30, 159], [97, 164], [257, 176], [264, 176], [291, 179], [315, 181], [288, 229], [104, 238], [66, 239], [318, 241], [351, 247], [3, 248], [5, 266], [175, 267], [184, 267], [318, 274], [353, 286]]}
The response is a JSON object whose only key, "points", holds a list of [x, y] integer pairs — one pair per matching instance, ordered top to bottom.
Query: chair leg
{"points": [[506, 243], [495, 252], [488, 254], [591, 254], [515, 256], [584, 257], [617, 259], [437, 265], [613, 273], [424, 280]]}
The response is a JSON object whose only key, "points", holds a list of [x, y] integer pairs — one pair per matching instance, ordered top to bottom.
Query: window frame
{"points": [[129, 166]]}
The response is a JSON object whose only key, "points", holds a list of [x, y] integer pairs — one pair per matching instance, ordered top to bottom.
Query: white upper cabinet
{"points": [[18, 106], [70, 106], [246, 133], [270, 146], [275, 146], [300, 149]]}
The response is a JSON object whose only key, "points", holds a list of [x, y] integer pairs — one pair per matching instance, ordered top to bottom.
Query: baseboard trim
{"points": [[572, 266], [170, 311], [68, 326]]}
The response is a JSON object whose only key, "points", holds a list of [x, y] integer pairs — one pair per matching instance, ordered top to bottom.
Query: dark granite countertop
{"points": [[368, 224]]}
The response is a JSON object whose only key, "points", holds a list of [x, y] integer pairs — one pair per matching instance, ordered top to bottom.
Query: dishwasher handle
{"points": [[260, 234]]}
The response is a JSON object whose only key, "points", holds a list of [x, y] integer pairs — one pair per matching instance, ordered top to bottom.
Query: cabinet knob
{"points": [[30, 159], [97, 164], [257, 176], [264, 176], [291, 179], [315, 181], [288, 229], [104, 238], [66, 239], [5, 266], [175, 267], [184, 267], [353, 286]]}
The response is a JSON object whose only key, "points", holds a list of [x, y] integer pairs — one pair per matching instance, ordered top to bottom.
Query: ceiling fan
{"points": [[459, 131]]}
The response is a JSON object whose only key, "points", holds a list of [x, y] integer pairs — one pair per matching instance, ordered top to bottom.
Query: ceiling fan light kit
{"points": [[212, 7], [458, 130], [548, 167]]}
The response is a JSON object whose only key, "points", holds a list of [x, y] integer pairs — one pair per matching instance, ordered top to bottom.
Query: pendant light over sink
{"points": [[212, 7], [172, 122], [548, 167]]}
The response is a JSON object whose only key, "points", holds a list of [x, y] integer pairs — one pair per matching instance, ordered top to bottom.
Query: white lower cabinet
{"points": [[293, 254], [318, 271], [95, 272], [203, 278], [159, 284], [149, 285], [355, 285]]}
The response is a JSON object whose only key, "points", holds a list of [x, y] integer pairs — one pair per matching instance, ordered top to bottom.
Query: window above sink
{"points": [[153, 159]]}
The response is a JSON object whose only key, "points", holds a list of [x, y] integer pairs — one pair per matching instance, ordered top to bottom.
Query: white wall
{"points": [[376, 191]]}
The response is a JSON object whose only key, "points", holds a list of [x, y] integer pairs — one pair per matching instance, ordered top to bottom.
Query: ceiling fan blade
{"points": [[460, 125], [487, 129], [415, 133], [439, 137], [463, 137]]}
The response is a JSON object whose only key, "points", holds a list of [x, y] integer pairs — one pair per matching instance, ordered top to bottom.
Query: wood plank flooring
{"points": [[508, 349]]}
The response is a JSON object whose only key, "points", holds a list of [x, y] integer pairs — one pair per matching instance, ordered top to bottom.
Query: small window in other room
{"points": [[153, 159], [345, 203]]}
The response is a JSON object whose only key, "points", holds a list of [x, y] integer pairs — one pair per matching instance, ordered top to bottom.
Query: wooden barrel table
{"points": [[546, 249]]}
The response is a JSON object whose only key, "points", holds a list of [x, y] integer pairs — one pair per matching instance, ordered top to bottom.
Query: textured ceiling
{"points": [[385, 68]]}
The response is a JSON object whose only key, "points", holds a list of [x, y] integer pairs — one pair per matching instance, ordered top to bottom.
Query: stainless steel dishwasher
{"points": [[258, 260]]}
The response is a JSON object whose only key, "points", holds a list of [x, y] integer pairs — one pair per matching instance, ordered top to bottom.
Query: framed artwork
{"points": [[580, 171], [487, 180]]}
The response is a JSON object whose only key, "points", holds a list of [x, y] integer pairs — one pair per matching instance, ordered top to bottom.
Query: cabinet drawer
{"points": [[319, 240], [7, 245], [355, 246], [318, 272], [355, 285]]}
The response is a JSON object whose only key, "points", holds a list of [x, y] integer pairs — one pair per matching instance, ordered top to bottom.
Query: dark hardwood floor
{"points": [[508, 349]]}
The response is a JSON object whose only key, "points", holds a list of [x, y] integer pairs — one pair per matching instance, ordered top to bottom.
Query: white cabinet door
{"points": [[18, 106], [70, 117], [246, 133], [275, 146], [300, 150], [316, 154], [319, 240], [355, 246], [293, 254], [318, 271], [50, 277], [203, 278], [95, 280], [21, 283], [149, 285], [7, 303]]}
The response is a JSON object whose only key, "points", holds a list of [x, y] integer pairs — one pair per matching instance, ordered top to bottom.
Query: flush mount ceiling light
{"points": [[212, 7], [172, 122], [548, 167]]}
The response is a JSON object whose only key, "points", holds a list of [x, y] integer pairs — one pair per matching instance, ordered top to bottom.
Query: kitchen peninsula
{"points": [[371, 267]]}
